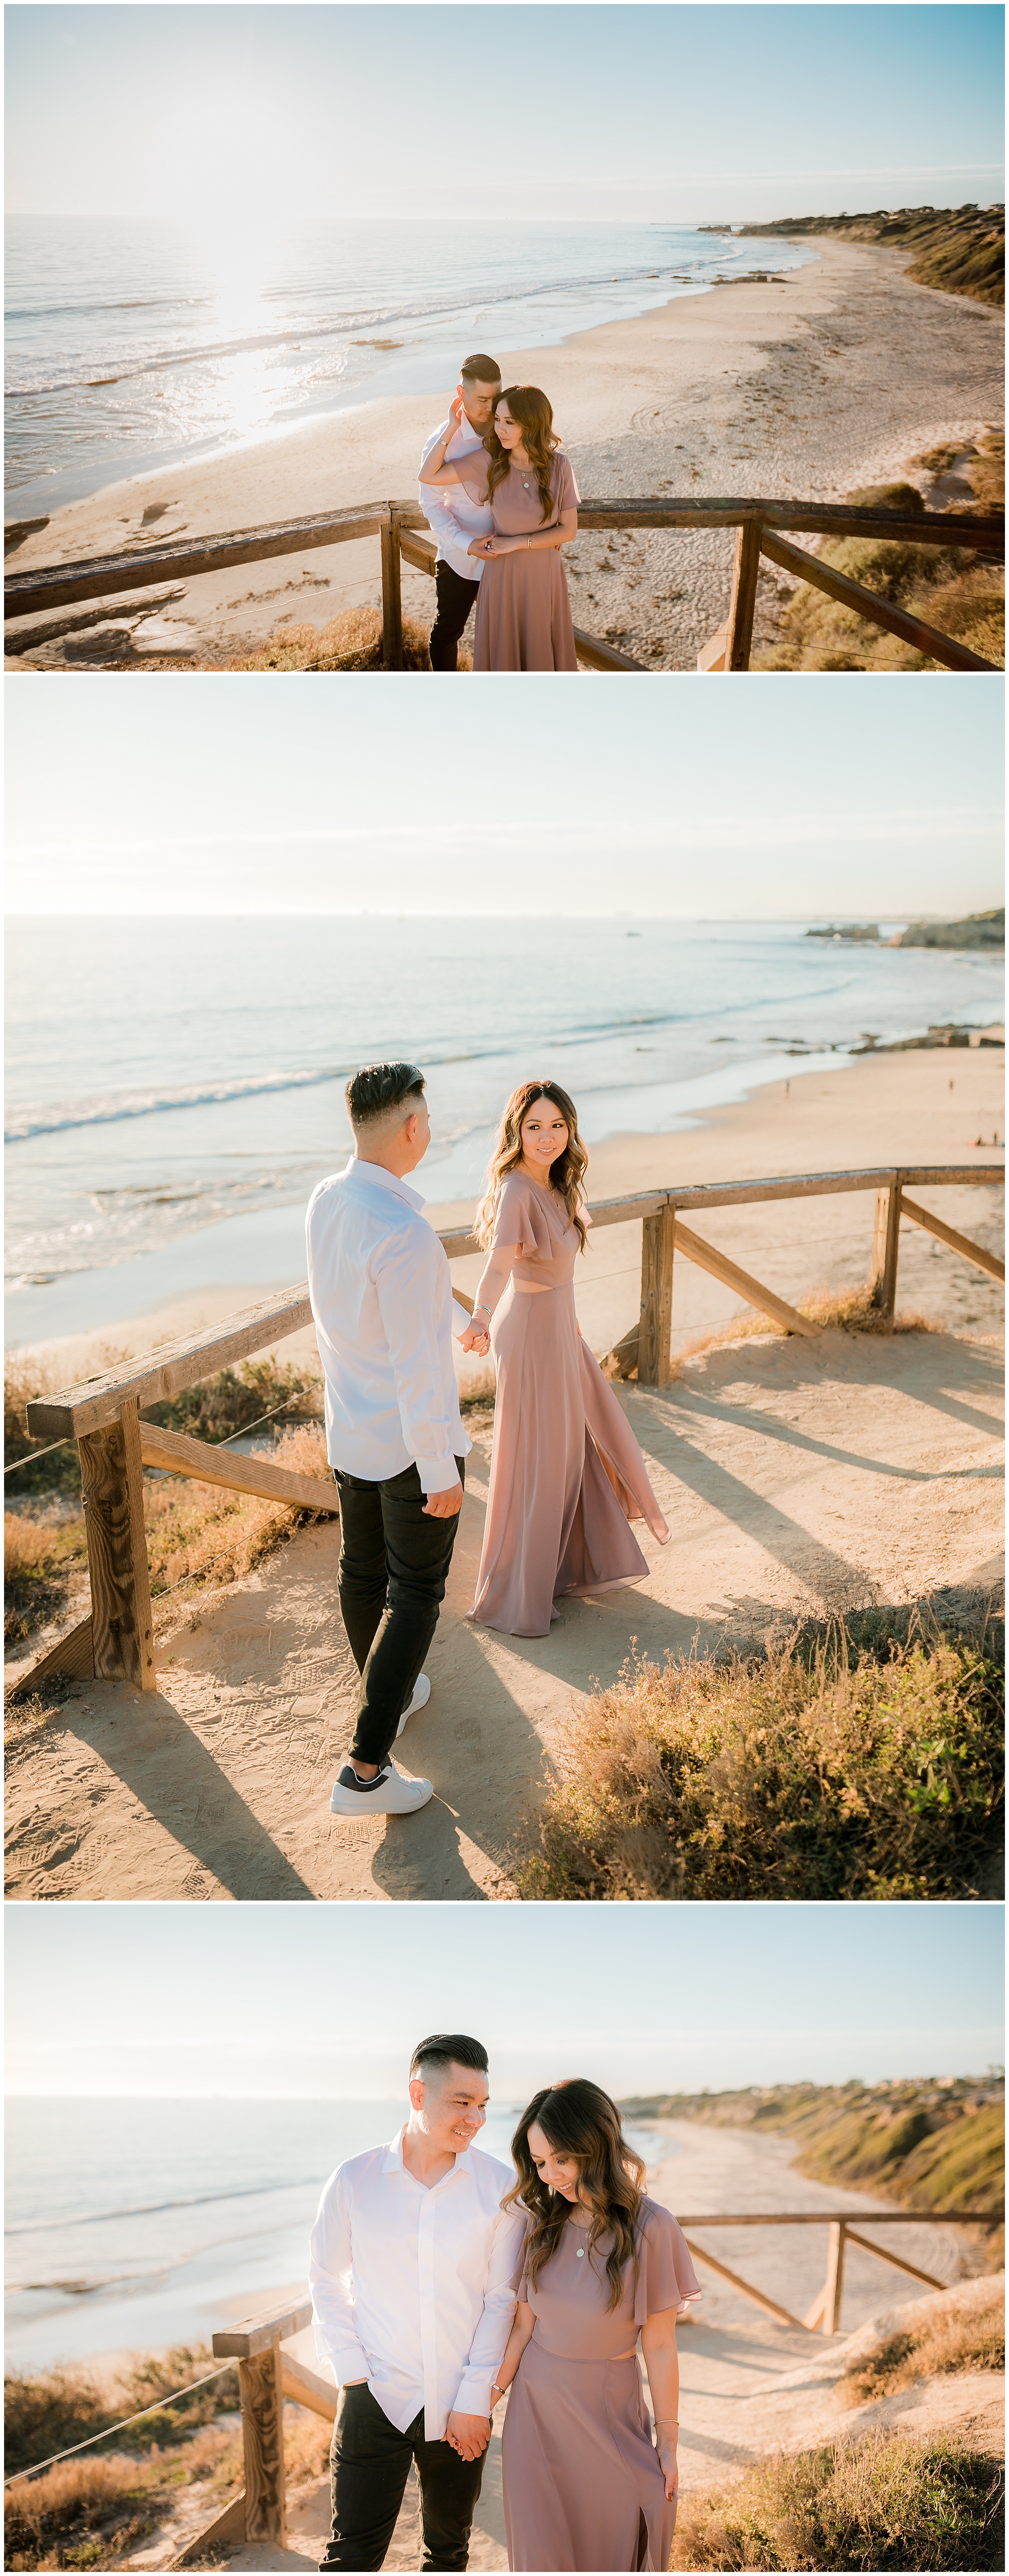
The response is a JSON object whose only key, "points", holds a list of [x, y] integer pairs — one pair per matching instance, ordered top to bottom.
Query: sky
{"points": [[708, 114], [822, 796], [328, 2001]]}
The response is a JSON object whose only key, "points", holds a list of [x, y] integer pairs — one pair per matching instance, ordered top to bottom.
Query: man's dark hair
{"points": [[480, 370], [381, 1087], [447, 2048]]}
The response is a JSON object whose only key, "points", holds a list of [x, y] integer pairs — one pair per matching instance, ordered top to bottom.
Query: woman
{"points": [[523, 616], [567, 1476], [585, 2486]]}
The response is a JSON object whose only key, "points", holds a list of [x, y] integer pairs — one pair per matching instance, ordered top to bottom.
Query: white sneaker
{"points": [[421, 1696], [392, 1793]]}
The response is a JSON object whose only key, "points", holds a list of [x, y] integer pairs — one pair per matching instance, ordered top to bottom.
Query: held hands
{"points": [[488, 546], [475, 1338], [467, 2435]]}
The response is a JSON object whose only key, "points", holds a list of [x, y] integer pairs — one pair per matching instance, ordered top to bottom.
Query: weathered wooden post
{"points": [[392, 594], [744, 595], [658, 1234], [885, 1248], [112, 1488], [834, 2284], [255, 2344]]}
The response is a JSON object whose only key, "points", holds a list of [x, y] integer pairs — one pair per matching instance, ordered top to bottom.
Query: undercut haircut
{"points": [[480, 370], [380, 1088], [447, 2048]]}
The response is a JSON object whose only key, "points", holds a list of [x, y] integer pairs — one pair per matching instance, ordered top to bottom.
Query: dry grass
{"points": [[960, 594], [350, 642], [849, 1310], [853, 1761], [962, 2334], [885, 2502], [91, 2511]]}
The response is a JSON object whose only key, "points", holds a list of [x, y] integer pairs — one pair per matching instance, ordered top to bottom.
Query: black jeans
{"points": [[455, 599], [394, 1561], [369, 2466]]}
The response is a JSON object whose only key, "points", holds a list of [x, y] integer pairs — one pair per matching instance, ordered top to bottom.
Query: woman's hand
{"points": [[455, 414], [481, 546], [475, 1338], [670, 2471]]}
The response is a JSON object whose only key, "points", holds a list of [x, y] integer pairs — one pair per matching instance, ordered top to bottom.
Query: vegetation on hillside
{"points": [[960, 249], [959, 593], [857, 1760], [933, 2146], [952, 2334], [886, 2501]]}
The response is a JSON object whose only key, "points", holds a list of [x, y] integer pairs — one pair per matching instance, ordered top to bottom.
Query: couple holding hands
{"points": [[502, 500], [567, 1476], [442, 2282]]}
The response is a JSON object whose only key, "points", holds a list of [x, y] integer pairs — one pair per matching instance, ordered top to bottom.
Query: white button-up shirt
{"points": [[453, 517], [381, 1293], [412, 2288]]}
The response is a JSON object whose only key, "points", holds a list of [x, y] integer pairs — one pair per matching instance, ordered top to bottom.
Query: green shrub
{"points": [[885, 2502]]}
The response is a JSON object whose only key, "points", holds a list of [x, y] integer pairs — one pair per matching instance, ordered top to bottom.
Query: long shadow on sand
{"points": [[154, 1751], [485, 1760]]}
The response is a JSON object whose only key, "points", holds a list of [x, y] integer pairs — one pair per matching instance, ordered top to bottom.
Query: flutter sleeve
{"points": [[564, 485], [518, 1219], [666, 2276]]}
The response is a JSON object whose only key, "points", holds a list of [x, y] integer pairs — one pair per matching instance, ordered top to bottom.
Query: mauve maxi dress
{"points": [[523, 614], [567, 1476], [583, 2487]]}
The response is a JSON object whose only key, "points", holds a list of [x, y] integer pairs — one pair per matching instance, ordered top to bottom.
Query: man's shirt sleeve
{"points": [[330, 2279], [486, 2351]]}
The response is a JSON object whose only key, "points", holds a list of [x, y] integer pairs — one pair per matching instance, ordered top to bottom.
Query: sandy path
{"points": [[834, 377], [794, 1475], [748, 2386]]}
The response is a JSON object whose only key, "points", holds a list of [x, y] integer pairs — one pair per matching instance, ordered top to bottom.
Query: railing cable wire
{"points": [[171, 2400]]}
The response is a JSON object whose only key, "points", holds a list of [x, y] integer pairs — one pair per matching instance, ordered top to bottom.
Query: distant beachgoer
{"points": [[453, 516], [523, 616], [381, 1294], [567, 1476], [586, 2485]]}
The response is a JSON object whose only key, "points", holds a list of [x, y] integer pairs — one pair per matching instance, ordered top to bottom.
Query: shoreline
{"points": [[833, 376], [912, 1106]]}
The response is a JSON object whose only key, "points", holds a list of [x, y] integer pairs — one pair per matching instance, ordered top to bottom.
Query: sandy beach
{"points": [[834, 376]]}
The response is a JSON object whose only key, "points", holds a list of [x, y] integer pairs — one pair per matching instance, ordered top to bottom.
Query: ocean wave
{"points": [[58, 1117], [157, 2208]]}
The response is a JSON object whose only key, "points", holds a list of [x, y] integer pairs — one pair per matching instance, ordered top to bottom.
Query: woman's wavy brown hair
{"points": [[539, 438], [566, 1174], [579, 2120]]}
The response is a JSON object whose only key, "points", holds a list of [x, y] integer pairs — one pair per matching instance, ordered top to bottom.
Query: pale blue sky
{"points": [[691, 113], [749, 798], [329, 2000]]}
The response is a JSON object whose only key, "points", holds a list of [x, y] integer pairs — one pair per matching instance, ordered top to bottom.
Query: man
{"points": [[454, 518], [381, 1295], [411, 2268]]}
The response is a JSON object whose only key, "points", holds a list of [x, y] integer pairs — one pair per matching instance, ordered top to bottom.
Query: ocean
{"points": [[135, 344], [175, 1087], [137, 2224]]}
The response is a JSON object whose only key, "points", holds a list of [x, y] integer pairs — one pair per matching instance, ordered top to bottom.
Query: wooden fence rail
{"points": [[763, 527], [103, 1415], [267, 2374]]}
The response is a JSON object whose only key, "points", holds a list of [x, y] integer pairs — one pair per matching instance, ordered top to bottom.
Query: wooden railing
{"points": [[762, 529], [103, 1414], [267, 2374]]}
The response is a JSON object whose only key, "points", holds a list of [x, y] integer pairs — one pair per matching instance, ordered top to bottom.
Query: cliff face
{"points": [[960, 249], [977, 930], [934, 2146]]}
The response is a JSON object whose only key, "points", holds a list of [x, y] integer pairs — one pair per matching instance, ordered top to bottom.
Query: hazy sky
{"points": [[696, 113], [754, 797], [329, 2000]]}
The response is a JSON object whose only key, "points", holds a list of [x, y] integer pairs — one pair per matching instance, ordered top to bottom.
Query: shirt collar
{"points": [[376, 1173], [394, 2161]]}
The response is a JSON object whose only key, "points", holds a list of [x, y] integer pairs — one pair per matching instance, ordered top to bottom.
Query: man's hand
{"points": [[481, 546], [475, 1338], [443, 1507], [468, 2435]]}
